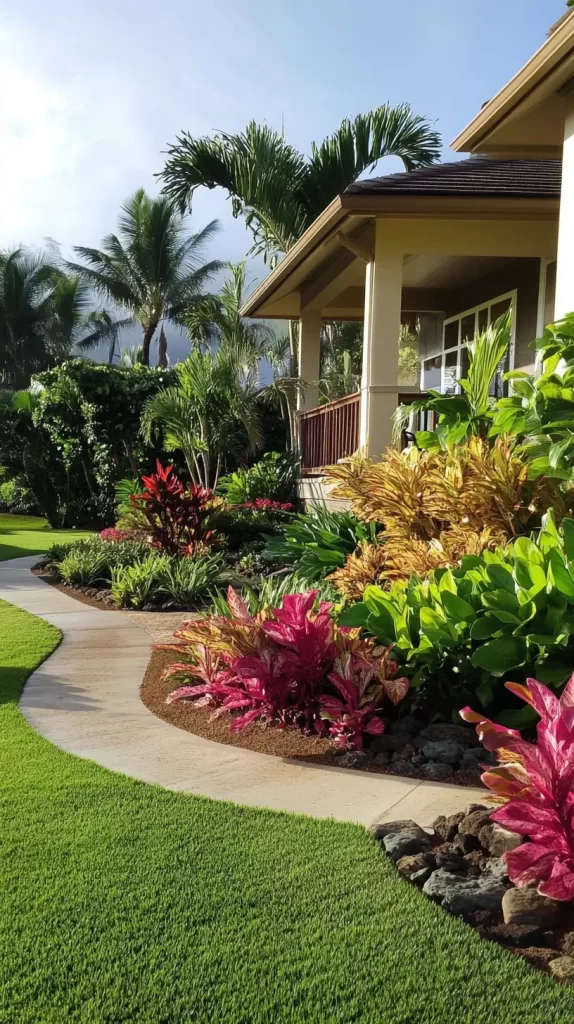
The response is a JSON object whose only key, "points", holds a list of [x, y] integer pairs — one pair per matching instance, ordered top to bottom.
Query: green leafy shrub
{"points": [[540, 410], [274, 477], [16, 497], [253, 521], [318, 542], [90, 562], [83, 566], [188, 580], [133, 585], [270, 593], [463, 631]]}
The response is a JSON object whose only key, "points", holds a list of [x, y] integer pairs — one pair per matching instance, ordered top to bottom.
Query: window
{"points": [[442, 370]]}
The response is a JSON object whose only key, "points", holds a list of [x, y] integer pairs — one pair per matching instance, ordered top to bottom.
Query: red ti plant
{"points": [[178, 516], [289, 666], [362, 684], [537, 780]]}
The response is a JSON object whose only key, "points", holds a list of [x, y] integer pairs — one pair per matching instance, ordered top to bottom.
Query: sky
{"points": [[92, 91]]}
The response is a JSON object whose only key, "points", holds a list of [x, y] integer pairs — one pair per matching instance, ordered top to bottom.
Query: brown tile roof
{"points": [[478, 176]]}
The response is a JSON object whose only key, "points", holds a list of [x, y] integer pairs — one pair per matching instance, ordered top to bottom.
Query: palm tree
{"points": [[280, 191], [152, 268], [44, 316], [216, 321], [208, 414]]}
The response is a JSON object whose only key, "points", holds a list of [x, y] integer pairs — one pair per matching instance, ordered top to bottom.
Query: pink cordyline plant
{"points": [[288, 666], [537, 780]]}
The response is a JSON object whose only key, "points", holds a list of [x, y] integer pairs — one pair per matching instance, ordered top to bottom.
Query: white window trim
{"points": [[512, 295]]}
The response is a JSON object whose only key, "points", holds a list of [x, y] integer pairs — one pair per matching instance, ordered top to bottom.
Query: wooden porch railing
{"points": [[329, 432]]}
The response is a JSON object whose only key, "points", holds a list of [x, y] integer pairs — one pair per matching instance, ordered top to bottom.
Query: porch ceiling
{"points": [[430, 283]]}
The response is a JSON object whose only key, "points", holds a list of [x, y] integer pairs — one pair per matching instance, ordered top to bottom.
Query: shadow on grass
{"points": [[48, 693]]}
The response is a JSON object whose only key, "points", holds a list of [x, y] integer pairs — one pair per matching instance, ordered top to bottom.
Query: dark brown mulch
{"points": [[262, 738]]}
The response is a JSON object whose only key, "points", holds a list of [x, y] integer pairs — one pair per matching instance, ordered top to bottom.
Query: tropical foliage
{"points": [[278, 190], [153, 269], [45, 314], [215, 320], [540, 410], [209, 414], [462, 416], [273, 477], [439, 505], [179, 519], [318, 542], [462, 630], [290, 666], [537, 783]]}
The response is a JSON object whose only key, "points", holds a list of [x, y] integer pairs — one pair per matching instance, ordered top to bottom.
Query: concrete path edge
{"points": [[85, 699]]}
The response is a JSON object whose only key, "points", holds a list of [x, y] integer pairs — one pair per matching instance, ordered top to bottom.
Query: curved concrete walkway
{"points": [[85, 699]]}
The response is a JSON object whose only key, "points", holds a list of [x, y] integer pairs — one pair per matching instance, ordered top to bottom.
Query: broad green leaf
{"points": [[568, 534], [528, 550], [329, 556], [470, 562], [522, 574], [559, 574], [499, 576], [539, 579], [447, 582], [375, 599], [500, 599], [457, 608], [527, 612], [355, 615], [507, 617], [431, 619], [382, 625], [484, 628], [542, 639], [498, 656], [552, 671], [485, 692], [520, 718]]}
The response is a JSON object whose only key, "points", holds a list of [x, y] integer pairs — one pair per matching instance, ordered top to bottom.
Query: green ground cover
{"points": [[30, 535], [123, 902]]}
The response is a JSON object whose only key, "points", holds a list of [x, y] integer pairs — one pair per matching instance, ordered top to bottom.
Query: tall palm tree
{"points": [[279, 190], [152, 268], [45, 315], [216, 321], [208, 414]]}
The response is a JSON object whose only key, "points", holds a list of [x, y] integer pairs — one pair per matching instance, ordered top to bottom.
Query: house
{"points": [[450, 246]]}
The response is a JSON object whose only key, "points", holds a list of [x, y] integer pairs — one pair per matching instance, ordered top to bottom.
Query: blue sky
{"points": [[93, 91]]}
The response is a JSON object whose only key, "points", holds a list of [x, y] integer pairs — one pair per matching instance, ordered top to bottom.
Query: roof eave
{"points": [[541, 64], [313, 236]]}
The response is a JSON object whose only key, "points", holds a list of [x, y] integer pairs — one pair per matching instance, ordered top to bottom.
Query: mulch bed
{"points": [[259, 737]]}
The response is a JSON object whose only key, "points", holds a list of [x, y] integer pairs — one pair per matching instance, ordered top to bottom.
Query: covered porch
{"points": [[423, 251]]}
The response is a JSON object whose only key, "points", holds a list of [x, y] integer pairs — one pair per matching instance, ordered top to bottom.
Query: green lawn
{"points": [[30, 535], [124, 902]]}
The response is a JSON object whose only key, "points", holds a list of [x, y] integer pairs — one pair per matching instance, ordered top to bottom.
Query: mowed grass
{"points": [[30, 535], [123, 902]]}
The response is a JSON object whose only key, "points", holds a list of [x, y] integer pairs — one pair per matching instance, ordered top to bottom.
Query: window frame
{"points": [[459, 347]]}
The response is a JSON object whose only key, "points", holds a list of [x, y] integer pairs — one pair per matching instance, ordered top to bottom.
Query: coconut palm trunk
{"points": [[149, 332]]}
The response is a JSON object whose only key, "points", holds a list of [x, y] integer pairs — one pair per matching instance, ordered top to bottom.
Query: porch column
{"points": [[565, 265], [309, 358], [379, 382]]}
